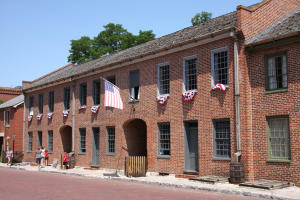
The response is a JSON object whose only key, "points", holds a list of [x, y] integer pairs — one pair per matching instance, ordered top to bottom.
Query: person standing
{"points": [[9, 155], [42, 156], [38, 157], [46, 157], [66, 160]]}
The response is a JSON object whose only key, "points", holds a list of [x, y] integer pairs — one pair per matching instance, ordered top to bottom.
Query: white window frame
{"points": [[212, 52], [158, 66], [183, 71]]}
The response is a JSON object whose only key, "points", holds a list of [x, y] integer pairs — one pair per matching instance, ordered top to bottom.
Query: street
{"points": [[19, 184]]}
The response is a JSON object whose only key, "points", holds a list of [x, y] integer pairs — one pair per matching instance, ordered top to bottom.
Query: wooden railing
{"points": [[135, 166]]}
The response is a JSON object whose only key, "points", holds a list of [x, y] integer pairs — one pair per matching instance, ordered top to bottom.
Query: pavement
{"points": [[290, 193]]}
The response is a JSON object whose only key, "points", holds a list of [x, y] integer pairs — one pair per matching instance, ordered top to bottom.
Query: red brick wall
{"points": [[252, 21], [274, 104], [207, 105], [15, 127]]}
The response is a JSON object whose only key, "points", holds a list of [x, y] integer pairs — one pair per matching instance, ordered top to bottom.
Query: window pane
{"points": [[221, 67], [277, 72], [190, 74], [164, 79], [96, 92], [83, 93], [67, 98], [40, 103], [222, 138], [279, 138], [164, 139], [82, 140], [110, 140], [50, 141], [29, 142]]}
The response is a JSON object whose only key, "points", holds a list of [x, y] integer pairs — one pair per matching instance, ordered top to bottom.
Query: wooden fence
{"points": [[135, 166]]}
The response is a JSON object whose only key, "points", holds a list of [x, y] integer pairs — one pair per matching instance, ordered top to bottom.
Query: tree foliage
{"points": [[201, 17], [112, 39], [1, 101]]}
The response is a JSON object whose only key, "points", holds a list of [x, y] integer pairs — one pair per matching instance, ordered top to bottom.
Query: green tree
{"points": [[201, 17], [112, 39], [1, 101]]}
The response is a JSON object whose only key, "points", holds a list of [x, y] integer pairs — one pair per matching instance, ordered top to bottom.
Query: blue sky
{"points": [[35, 35]]}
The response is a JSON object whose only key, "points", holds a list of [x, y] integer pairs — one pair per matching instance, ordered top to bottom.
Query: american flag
{"points": [[112, 96]]}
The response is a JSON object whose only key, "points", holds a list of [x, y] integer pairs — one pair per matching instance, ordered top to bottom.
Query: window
{"points": [[220, 66], [276, 72], [190, 73], [163, 78], [112, 79], [134, 85], [96, 92], [82, 93], [67, 98], [51, 102], [40, 103], [31, 105], [7, 118], [278, 136], [40, 139], [164, 139], [222, 139], [82, 140], [110, 140], [50, 141], [29, 148]]}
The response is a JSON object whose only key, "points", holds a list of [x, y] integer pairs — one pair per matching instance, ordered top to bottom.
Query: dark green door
{"points": [[95, 147], [191, 147]]}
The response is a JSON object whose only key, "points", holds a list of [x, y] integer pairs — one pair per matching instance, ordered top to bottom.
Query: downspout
{"points": [[73, 115], [24, 123], [238, 153]]}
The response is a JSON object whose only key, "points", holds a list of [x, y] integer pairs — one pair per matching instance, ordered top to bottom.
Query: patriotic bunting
{"points": [[220, 86], [189, 96], [162, 100], [83, 107], [95, 109], [65, 113], [50, 115], [39, 117], [30, 118]]}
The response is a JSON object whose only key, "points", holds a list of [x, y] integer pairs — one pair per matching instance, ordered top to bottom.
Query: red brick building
{"points": [[5, 95], [198, 130]]}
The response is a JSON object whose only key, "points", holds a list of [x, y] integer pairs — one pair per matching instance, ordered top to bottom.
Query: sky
{"points": [[35, 35]]}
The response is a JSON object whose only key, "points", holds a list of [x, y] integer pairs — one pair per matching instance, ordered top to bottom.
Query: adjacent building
{"points": [[194, 100]]}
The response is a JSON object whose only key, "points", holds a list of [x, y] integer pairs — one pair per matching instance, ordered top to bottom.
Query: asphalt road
{"points": [[26, 185]]}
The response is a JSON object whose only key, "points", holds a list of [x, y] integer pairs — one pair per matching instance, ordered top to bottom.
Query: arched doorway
{"points": [[136, 137], [66, 138]]}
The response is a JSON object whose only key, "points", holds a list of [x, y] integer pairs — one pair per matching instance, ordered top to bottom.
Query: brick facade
{"points": [[208, 105]]}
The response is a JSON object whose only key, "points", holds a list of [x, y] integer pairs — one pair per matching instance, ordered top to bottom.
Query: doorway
{"points": [[136, 137], [66, 138], [95, 147], [191, 147]]}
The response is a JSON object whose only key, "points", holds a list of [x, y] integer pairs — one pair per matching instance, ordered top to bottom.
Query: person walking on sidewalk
{"points": [[42, 156], [66, 160]]}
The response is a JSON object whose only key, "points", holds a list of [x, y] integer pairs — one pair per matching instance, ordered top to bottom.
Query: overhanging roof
{"points": [[13, 102]]}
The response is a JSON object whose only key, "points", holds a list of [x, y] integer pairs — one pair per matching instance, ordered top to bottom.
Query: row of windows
{"points": [[220, 74], [278, 139], [40, 141]]}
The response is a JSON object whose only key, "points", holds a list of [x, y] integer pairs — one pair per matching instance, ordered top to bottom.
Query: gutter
{"points": [[238, 152]]}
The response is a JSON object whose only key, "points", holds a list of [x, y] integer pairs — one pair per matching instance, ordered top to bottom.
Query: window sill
{"points": [[276, 91], [133, 100], [7, 126], [29, 151], [81, 153], [110, 154], [163, 157], [221, 159], [278, 161]]}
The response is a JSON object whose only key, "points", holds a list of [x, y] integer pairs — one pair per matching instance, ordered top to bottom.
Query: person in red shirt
{"points": [[46, 157], [66, 160]]}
